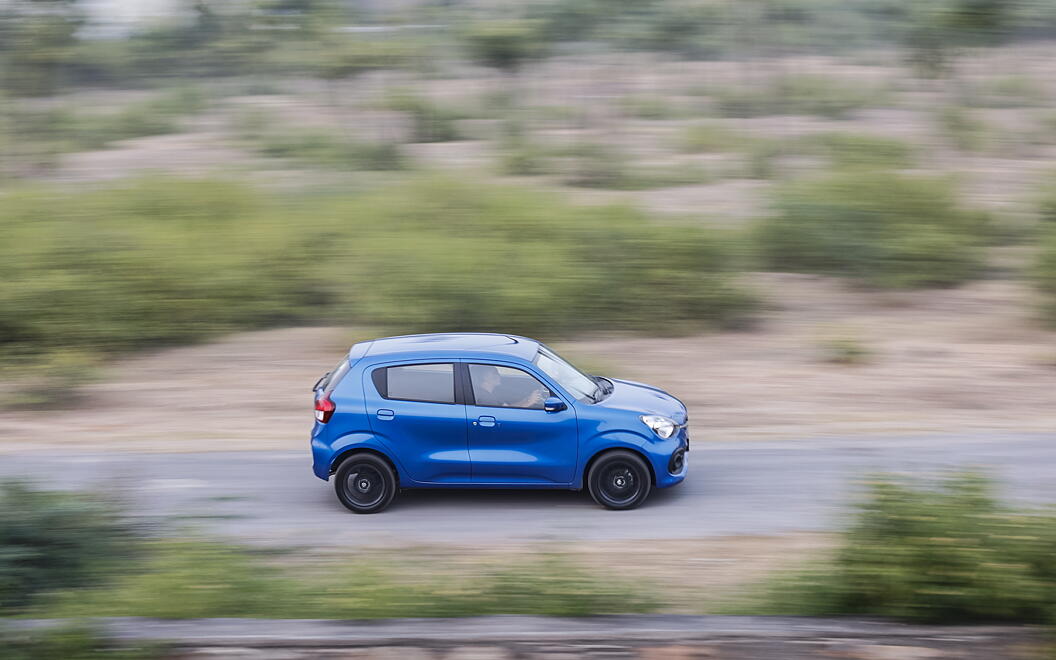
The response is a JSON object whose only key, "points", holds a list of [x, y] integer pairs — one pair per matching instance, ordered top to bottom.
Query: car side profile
{"points": [[475, 410]]}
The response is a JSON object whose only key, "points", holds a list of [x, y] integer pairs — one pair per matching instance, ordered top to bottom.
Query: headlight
{"points": [[662, 426]]}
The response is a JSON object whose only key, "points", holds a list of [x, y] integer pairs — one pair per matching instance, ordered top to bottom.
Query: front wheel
{"points": [[619, 480], [365, 483]]}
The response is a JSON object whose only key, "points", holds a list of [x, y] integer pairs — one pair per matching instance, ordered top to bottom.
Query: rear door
{"points": [[413, 407], [512, 440]]}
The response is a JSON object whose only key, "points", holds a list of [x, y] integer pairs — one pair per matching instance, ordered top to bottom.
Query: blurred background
{"points": [[820, 223]]}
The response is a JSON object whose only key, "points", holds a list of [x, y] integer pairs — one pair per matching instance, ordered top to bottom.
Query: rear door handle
{"points": [[385, 413], [486, 420]]}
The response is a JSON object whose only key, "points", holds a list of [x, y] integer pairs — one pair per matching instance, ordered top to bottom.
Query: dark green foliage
{"points": [[935, 28], [38, 43], [503, 44], [797, 94], [429, 122], [326, 149], [846, 150], [598, 165], [882, 229], [164, 261], [1045, 276], [52, 540], [949, 554], [197, 579], [67, 643]]}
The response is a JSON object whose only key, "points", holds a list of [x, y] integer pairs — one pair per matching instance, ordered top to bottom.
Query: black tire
{"points": [[619, 480], [365, 483]]}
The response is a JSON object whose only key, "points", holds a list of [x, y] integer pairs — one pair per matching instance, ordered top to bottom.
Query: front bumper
{"points": [[674, 471]]}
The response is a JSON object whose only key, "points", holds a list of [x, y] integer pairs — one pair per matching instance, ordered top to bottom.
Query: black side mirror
{"points": [[554, 404]]}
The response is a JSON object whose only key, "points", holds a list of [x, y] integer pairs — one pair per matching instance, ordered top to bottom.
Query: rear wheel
{"points": [[619, 480], [365, 483]]}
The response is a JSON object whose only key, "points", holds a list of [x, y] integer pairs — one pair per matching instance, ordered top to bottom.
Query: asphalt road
{"points": [[732, 488]]}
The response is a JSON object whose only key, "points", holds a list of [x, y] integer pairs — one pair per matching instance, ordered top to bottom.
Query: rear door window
{"points": [[428, 383]]}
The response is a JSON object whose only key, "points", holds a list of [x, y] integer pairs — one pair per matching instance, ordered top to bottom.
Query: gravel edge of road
{"points": [[307, 633]]}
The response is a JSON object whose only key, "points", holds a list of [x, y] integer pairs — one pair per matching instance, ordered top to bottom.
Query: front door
{"points": [[413, 409], [512, 440]]}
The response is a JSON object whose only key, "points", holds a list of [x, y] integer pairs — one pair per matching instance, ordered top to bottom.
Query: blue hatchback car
{"points": [[467, 410]]}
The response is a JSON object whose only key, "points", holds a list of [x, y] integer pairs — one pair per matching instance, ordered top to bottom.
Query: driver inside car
{"points": [[507, 392]]}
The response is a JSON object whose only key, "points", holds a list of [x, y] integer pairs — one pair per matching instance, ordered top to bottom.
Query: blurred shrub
{"points": [[37, 44], [503, 44], [1005, 92], [797, 94], [647, 107], [429, 121], [964, 130], [35, 137], [702, 138], [316, 146], [328, 150], [846, 150], [518, 156], [760, 158], [596, 165], [1047, 204], [883, 229], [162, 261], [1045, 276], [844, 348], [48, 379], [53, 540], [948, 554], [185, 579], [191, 579], [68, 643]]}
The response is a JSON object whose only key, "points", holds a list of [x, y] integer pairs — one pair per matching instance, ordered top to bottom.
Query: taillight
{"points": [[324, 409]]}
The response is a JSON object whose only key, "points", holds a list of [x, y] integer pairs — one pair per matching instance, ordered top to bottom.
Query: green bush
{"points": [[503, 44], [1005, 92], [797, 94], [647, 107], [429, 122], [963, 129], [34, 134], [703, 138], [325, 149], [846, 150], [519, 157], [595, 165], [1047, 205], [882, 229], [162, 261], [1045, 277], [53, 540], [951, 554], [194, 579], [68, 643]]}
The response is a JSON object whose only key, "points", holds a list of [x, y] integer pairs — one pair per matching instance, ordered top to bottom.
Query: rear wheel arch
{"points": [[351, 451]]}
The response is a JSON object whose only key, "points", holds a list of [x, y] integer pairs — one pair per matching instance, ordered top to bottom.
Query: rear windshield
{"points": [[331, 380]]}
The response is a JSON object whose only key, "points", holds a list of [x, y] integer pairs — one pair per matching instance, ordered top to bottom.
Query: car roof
{"points": [[449, 345]]}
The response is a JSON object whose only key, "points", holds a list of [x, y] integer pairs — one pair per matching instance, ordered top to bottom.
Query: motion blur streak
{"points": [[827, 226]]}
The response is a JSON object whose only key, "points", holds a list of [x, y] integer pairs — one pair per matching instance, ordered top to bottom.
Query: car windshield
{"points": [[574, 381]]}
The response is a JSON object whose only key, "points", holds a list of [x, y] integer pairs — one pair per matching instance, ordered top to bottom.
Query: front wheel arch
{"points": [[601, 452]]}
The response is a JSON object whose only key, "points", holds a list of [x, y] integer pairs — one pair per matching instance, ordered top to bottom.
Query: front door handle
{"points": [[385, 413], [486, 420]]}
